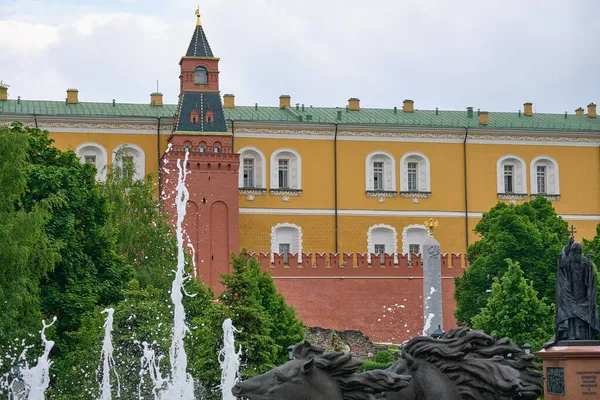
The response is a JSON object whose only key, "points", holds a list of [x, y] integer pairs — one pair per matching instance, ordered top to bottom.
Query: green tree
{"points": [[530, 233], [144, 237], [591, 248], [26, 252], [89, 271], [514, 310]]}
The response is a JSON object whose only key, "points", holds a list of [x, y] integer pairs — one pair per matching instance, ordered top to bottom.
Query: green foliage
{"points": [[531, 234], [143, 235], [591, 248], [26, 252], [89, 271], [513, 310], [267, 324], [384, 357], [370, 365]]}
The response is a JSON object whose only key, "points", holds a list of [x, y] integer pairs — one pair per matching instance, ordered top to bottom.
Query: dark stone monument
{"points": [[572, 357]]}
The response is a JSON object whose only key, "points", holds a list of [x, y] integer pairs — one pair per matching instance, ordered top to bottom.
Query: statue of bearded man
{"points": [[576, 298]]}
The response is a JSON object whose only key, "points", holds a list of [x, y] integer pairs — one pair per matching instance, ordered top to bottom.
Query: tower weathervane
{"points": [[198, 16]]}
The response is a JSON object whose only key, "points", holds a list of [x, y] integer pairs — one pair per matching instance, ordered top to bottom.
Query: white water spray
{"points": [[106, 357], [229, 360], [150, 366], [34, 381], [181, 385]]}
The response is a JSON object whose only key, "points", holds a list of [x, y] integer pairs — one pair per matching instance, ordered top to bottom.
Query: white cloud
{"points": [[491, 55]]}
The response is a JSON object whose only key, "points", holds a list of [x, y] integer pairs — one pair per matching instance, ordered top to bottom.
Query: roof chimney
{"points": [[3, 92], [72, 96], [156, 99], [228, 101], [285, 101], [354, 104], [408, 106], [528, 109], [592, 110], [579, 111], [469, 112], [483, 118]]}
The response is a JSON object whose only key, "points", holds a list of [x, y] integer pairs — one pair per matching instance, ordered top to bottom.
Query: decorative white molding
{"points": [[85, 127], [420, 137], [95, 149], [138, 154], [260, 166], [295, 169], [389, 170], [424, 171], [520, 174], [552, 177], [251, 193], [381, 195], [415, 195], [512, 196], [551, 197], [389, 213], [275, 244], [371, 244], [405, 244]]}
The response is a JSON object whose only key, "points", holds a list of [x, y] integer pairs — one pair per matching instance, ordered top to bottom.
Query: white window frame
{"points": [[94, 149], [139, 158], [260, 167], [295, 168], [389, 171], [423, 172], [283, 173], [519, 174], [552, 175], [405, 240], [372, 241], [275, 242]]}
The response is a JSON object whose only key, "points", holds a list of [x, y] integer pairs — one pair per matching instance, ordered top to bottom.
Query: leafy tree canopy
{"points": [[531, 234], [591, 248], [514, 310]]}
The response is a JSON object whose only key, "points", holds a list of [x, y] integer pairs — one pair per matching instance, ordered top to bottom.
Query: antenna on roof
{"points": [[157, 91]]}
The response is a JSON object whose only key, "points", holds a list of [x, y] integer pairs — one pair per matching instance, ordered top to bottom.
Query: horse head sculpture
{"points": [[316, 375]]}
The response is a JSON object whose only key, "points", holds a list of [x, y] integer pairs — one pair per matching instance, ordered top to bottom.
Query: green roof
{"points": [[60, 108], [366, 116]]}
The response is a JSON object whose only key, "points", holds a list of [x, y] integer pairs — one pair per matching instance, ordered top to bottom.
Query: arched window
{"points": [[200, 75], [96, 154], [130, 157], [252, 168], [286, 169], [380, 172], [415, 175], [544, 176], [511, 177], [413, 238], [286, 239], [382, 239]]}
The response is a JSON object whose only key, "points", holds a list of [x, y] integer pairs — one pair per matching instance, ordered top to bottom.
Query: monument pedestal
{"points": [[571, 371]]}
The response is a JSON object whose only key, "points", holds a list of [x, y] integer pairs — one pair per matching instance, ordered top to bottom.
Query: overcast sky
{"points": [[494, 55]]}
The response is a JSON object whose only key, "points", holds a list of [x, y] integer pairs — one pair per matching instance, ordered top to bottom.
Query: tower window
{"points": [[200, 76], [210, 117], [201, 149]]}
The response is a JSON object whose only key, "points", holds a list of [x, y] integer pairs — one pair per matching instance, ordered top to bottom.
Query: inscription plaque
{"points": [[556, 381], [589, 383]]}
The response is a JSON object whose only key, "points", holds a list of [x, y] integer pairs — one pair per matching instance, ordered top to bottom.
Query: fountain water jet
{"points": [[229, 360], [108, 362], [181, 384]]}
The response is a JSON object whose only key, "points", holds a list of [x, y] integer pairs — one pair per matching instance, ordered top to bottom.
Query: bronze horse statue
{"points": [[462, 365], [466, 365], [316, 375]]}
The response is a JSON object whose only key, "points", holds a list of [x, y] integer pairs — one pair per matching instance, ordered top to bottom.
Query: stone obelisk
{"points": [[432, 283]]}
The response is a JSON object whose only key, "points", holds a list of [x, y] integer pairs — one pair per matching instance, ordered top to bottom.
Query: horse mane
{"points": [[481, 366], [344, 369]]}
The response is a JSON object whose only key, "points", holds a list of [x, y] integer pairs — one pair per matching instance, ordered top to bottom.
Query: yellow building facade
{"points": [[351, 171]]}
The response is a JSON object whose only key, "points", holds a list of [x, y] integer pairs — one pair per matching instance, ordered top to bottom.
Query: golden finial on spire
{"points": [[198, 16], [431, 225]]}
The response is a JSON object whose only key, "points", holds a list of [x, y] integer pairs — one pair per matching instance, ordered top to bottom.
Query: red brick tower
{"points": [[212, 220]]}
